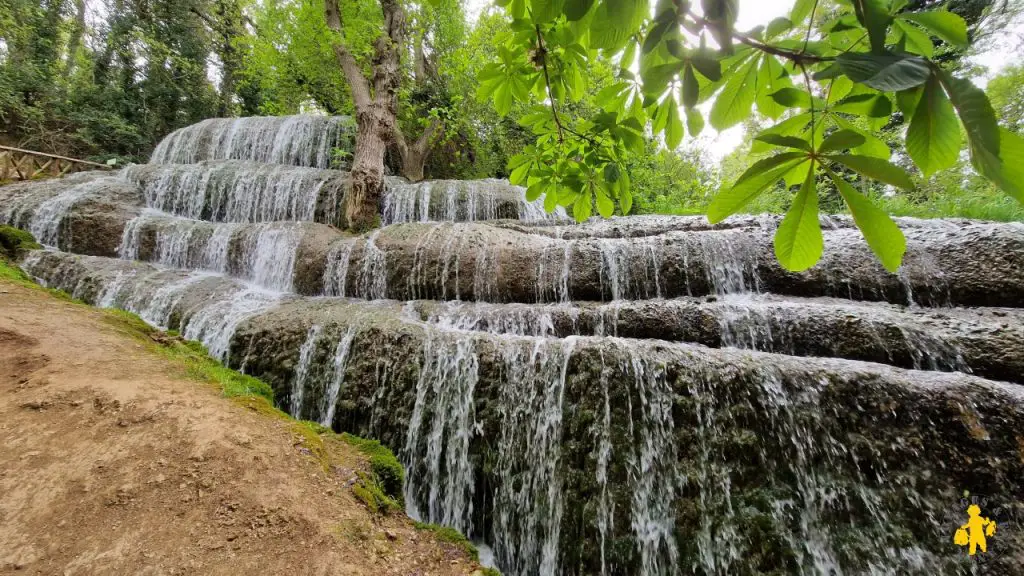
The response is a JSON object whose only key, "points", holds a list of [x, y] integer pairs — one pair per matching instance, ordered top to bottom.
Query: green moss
{"points": [[14, 242], [385, 466], [369, 491], [451, 536]]}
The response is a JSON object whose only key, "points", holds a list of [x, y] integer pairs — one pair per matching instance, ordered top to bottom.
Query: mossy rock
{"points": [[15, 242]]}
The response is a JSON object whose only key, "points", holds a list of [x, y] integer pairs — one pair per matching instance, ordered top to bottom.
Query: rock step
{"points": [[470, 261], [483, 262], [986, 342]]}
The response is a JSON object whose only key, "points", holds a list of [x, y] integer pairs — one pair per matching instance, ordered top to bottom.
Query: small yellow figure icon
{"points": [[975, 531]]}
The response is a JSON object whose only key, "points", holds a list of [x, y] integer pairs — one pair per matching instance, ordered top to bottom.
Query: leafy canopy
{"points": [[822, 74]]}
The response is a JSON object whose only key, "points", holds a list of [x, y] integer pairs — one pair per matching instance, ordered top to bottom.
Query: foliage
{"points": [[829, 76], [113, 89], [383, 463], [451, 536]]}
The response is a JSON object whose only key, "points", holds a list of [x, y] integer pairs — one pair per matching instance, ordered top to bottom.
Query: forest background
{"points": [[105, 80]]}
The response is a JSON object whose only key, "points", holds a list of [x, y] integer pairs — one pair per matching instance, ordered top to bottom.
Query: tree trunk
{"points": [[75, 40], [376, 103], [415, 156]]}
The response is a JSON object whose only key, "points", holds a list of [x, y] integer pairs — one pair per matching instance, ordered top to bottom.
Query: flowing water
{"points": [[291, 140], [235, 191], [461, 201], [549, 401]]}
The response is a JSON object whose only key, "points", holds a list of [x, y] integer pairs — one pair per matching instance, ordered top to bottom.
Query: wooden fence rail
{"points": [[18, 164]]}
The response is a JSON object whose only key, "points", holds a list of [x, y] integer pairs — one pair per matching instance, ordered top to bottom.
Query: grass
{"points": [[451, 536]]}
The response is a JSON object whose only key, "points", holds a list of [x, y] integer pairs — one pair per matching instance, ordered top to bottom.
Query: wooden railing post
{"points": [[19, 164]]}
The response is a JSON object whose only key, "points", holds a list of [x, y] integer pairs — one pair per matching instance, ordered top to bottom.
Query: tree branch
{"points": [[356, 81]]}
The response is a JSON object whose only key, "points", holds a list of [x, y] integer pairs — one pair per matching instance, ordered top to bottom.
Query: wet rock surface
{"points": [[642, 395]]}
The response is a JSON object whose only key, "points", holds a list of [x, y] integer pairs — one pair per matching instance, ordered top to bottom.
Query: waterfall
{"points": [[292, 140], [234, 191], [461, 201], [47, 216], [263, 253], [371, 280], [341, 354], [304, 369], [638, 395], [439, 485], [528, 501]]}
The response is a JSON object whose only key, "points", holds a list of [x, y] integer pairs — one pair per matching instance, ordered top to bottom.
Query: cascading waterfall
{"points": [[291, 140], [234, 191], [461, 201], [48, 216], [263, 253], [370, 281], [304, 370], [562, 414], [439, 486], [528, 501]]}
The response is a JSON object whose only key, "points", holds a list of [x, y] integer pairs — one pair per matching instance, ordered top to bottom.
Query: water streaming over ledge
{"points": [[292, 140], [240, 191], [461, 201], [574, 437]]}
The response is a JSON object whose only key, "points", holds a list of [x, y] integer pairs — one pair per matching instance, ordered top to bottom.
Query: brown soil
{"points": [[112, 461]]}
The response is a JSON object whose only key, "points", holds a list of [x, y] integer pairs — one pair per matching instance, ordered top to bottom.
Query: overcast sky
{"points": [[998, 55]]}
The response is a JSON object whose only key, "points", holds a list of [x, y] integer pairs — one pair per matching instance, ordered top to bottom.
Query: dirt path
{"points": [[113, 462]]}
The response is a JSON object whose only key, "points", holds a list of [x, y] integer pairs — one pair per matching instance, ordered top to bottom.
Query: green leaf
{"points": [[576, 9], [545, 10], [801, 10], [874, 17], [615, 21], [942, 23], [777, 26], [656, 34], [916, 41], [707, 65], [887, 72], [771, 77], [690, 89], [503, 98], [792, 98], [736, 99], [871, 105], [661, 116], [978, 118], [694, 121], [674, 127], [788, 127], [933, 138], [841, 140], [785, 141], [872, 146], [875, 168], [1007, 169], [755, 180], [535, 191], [625, 195], [550, 200], [605, 206], [581, 208], [881, 233], [798, 240]]}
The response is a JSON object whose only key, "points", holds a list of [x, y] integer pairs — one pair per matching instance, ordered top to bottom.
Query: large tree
{"points": [[375, 98]]}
